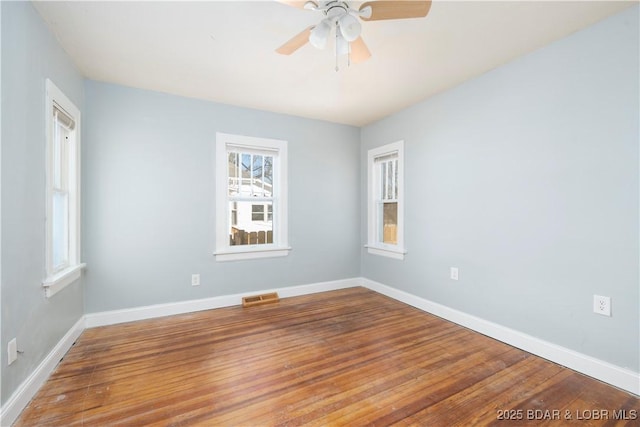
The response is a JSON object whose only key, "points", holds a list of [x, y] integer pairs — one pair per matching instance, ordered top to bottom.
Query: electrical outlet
{"points": [[453, 273], [195, 280], [602, 305], [12, 351]]}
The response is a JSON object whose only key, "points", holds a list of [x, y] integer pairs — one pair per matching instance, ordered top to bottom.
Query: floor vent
{"points": [[260, 299]]}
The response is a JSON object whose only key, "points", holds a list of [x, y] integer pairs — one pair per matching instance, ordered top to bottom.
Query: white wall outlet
{"points": [[453, 273], [195, 280], [602, 305], [12, 351]]}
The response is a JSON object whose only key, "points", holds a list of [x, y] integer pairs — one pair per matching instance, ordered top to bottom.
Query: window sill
{"points": [[251, 253], [395, 253], [54, 284]]}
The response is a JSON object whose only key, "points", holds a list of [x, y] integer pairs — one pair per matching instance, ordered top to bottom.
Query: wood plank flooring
{"points": [[348, 357]]}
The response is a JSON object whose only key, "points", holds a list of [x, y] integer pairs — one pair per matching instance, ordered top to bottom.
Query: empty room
{"points": [[256, 213]]}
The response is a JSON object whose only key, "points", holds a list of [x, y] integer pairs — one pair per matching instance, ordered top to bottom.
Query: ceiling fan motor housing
{"points": [[340, 16]]}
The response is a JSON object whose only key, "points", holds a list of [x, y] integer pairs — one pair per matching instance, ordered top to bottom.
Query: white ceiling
{"points": [[224, 51]]}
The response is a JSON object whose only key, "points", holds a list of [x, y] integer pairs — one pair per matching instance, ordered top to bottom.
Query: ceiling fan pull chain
{"points": [[337, 32]]}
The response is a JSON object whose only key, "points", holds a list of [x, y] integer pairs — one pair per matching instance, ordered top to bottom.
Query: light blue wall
{"points": [[30, 54], [526, 178], [148, 192]]}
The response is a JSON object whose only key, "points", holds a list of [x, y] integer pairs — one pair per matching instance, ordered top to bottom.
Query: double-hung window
{"points": [[251, 197], [386, 201], [63, 264]]}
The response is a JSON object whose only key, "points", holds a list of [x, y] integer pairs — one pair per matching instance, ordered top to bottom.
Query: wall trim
{"points": [[113, 317], [599, 369], [29, 387]]}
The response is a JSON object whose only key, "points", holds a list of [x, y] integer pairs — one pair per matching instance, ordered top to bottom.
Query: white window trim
{"points": [[373, 246], [280, 247], [55, 281], [54, 284]]}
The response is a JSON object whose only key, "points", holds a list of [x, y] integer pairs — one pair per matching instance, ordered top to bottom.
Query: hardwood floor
{"points": [[349, 357]]}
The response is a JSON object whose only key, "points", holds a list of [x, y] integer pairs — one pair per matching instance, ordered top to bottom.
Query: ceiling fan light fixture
{"points": [[310, 5], [365, 12], [349, 27], [320, 34]]}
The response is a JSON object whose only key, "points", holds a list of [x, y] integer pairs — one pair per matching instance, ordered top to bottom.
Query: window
{"points": [[251, 198], [385, 201], [257, 212], [234, 213], [262, 213], [63, 264]]}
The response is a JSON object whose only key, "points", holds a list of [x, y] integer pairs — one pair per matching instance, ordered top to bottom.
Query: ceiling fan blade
{"points": [[396, 9], [296, 42], [359, 51]]}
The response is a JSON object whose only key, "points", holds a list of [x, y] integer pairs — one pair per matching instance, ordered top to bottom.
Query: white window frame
{"points": [[374, 245], [280, 246], [57, 279]]}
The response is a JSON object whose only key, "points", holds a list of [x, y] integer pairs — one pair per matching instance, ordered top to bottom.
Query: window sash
{"points": [[61, 152], [250, 174], [387, 176], [252, 226]]}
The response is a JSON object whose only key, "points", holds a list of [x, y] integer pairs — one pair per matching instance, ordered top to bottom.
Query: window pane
{"points": [[57, 156], [60, 157], [233, 165], [257, 168], [233, 174], [268, 174], [395, 179], [383, 180], [390, 180], [258, 182], [245, 188], [389, 223], [251, 228], [60, 230]]}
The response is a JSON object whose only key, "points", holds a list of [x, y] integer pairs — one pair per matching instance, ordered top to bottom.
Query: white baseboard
{"points": [[159, 310], [617, 376], [23, 395]]}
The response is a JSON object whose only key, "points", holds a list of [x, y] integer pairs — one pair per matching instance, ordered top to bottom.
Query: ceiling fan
{"points": [[342, 19]]}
